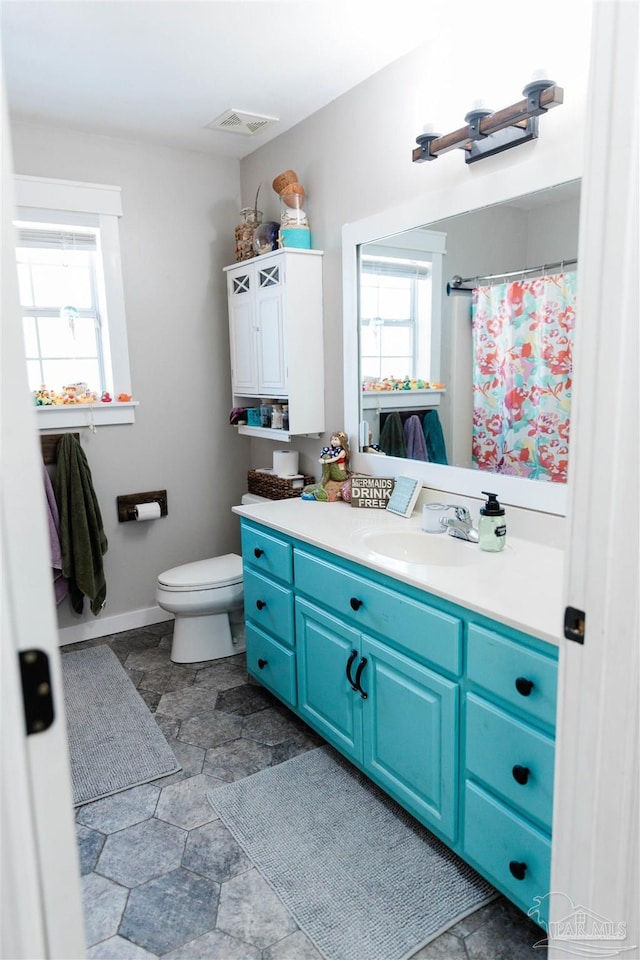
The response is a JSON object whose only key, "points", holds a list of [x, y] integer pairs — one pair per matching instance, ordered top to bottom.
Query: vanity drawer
{"points": [[267, 553], [269, 606], [415, 627], [272, 664], [522, 678], [510, 758], [506, 849]]}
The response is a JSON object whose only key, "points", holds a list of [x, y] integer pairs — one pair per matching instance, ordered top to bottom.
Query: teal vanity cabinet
{"points": [[450, 713]]}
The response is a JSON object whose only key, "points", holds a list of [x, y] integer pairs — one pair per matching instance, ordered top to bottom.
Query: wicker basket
{"points": [[273, 487]]}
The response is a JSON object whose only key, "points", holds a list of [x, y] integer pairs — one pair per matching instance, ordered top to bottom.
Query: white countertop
{"points": [[521, 586]]}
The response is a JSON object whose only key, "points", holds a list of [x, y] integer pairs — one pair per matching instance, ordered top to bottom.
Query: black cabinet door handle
{"points": [[258, 553], [355, 603], [260, 604], [352, 656], [262, 664], [361, 667], [524, 686], [520, 774], [518, 869]]}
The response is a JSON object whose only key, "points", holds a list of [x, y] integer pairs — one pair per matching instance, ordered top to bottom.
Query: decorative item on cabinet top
{"points": [[250, 219], [294, 225]]}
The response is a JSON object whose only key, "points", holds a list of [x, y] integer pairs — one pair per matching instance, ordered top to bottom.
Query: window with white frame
{"points": [[71, 295]]}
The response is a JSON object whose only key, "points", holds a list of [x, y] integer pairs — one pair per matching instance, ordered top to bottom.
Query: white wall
{"points": [[354, 156], [176, 234]]}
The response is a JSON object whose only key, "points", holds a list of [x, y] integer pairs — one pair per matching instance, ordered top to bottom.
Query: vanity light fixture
{"points": [[489, 132]]}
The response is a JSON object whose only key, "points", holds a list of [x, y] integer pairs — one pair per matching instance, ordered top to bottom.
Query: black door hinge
{"points": [[574, 624], [36, 690]]}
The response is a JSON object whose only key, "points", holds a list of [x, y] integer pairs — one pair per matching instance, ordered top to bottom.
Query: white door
{"points": [[270, 293], [242, 331], [595, 862], [40, 886]]}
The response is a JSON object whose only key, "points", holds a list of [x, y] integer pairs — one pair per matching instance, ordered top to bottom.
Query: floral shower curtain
{"points": [[522, 341]]}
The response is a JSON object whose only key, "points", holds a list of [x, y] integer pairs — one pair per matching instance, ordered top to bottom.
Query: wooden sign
{"points": [[371, 493]]}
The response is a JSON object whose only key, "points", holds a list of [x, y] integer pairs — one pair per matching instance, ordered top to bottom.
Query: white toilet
{"points": [[201, 595]]}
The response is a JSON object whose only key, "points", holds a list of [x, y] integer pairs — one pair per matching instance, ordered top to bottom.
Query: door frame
{"points": [[595, 860], [41, 900]]}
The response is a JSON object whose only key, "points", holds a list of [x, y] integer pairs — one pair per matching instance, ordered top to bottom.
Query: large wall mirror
{"points": [[458, 345]]}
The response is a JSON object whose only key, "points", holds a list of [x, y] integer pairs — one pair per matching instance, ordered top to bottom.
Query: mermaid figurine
{"points": [[335, 470]]}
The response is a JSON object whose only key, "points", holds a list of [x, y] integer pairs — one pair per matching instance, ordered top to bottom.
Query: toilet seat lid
{"points": [[204, 574]]}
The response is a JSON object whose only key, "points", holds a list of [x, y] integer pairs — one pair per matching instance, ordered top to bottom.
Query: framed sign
{"points": [[372, 493], [405, 494]]}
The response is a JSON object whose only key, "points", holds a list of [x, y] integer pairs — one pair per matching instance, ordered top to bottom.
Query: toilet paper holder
{"points": [[127, 503]]}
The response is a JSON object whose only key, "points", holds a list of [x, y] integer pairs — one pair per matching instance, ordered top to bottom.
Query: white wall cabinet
{"points": [[276, 341]]}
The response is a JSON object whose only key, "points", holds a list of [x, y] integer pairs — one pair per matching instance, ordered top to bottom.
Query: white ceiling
{"points": [[161, 70]]}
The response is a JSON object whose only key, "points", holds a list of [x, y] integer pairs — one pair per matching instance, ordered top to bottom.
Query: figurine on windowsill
{"points": [[335, 470]]}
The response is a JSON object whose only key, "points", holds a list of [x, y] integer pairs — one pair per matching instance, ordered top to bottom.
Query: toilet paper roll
{"points": [[285, 462], [147, 511]]}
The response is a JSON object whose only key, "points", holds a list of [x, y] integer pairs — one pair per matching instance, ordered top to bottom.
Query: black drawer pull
{"points": [[258, 553], [355, 603], [260, 604], [352, 656], [262, 664], [361, 667], [524, 686], [520, 774], [517, 869]]}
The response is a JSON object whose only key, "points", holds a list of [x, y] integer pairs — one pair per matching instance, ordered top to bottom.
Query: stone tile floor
{"points": [[162, 877]]}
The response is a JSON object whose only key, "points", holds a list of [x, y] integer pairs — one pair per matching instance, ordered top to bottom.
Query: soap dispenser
{"points": [[492, 529]]}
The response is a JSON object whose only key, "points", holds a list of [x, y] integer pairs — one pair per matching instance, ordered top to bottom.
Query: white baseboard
{"points": [[104, 626]]}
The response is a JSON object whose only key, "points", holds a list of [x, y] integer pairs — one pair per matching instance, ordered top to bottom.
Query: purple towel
{"points": [[414, 439], [60, 583]]}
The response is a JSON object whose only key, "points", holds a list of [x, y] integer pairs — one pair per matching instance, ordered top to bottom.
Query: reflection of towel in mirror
{"points": [[392, 436], [434, 438], [414, 439], [82, 537], [60, 584]]}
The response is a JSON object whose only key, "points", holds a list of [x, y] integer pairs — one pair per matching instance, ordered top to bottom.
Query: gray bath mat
{"points": [[114, 742], [362, 878]]}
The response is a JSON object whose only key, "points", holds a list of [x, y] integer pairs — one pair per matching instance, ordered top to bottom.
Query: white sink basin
{"points": [[415, 546]]}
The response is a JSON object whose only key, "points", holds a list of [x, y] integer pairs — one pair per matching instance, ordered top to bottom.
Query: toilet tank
{"points": [[253, 498]]}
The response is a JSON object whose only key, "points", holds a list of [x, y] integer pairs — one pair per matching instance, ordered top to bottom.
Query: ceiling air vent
{"points": [[237, 121]]}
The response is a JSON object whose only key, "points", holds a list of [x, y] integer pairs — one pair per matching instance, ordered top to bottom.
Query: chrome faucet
{"points": [[461, 525]]}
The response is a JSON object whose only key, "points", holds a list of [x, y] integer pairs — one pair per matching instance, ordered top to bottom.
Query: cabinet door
{"points": [[242, 332], [271, 359], [326, 699], [410, 734]]}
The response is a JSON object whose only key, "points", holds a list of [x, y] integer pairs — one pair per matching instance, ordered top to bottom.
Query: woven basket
{"points": [[274, 488]]}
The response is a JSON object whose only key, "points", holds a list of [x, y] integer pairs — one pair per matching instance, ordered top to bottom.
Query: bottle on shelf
{"points": [[276, 416]]}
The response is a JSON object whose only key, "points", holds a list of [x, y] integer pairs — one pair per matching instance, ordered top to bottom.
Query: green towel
{"points": [[392, 436], [434, 438], [82, 538]]}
